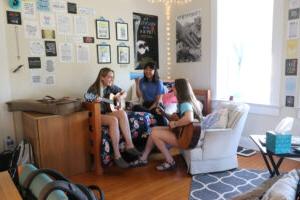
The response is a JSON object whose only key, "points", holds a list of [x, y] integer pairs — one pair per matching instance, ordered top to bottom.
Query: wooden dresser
{"points": [[59, 142]]}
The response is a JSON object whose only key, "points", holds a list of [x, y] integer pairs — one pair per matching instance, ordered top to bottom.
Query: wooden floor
{"points": [[146, 183]]}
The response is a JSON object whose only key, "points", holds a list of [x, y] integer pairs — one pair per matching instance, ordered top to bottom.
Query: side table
{"points": [[268, 156]]}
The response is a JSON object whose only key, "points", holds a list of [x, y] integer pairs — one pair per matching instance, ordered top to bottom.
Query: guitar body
{"points": [[111, 103], [188, 136]]}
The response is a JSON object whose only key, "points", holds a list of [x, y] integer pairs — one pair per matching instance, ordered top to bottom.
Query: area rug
{"points": [[224, 185]]}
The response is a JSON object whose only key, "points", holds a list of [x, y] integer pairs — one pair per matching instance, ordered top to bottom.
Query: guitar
{"points": [[111, 102], [188, 135]]}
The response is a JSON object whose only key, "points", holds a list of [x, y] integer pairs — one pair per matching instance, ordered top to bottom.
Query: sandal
{"points": [[133, 151], [121, 163], [138, 163], [166, 166]]}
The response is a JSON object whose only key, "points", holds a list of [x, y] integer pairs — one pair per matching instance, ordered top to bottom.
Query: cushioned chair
{"points": [[217, 148]]}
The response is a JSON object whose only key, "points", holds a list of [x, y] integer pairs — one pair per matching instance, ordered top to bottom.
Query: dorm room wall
{"points": [[200, 73], [71, 79]]}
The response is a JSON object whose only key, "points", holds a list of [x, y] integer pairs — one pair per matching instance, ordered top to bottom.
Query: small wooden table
{"points": [[272, 166], [8, 190]]}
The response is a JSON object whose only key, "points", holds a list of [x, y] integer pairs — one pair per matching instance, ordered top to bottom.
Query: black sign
{"points": [[72, 8], [13, 17], [88, 39], [145, 39], [50, 48], [34, 62]]}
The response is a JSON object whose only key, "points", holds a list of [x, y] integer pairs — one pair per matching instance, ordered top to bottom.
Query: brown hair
{"points": [[102, 73], [185, 94]]}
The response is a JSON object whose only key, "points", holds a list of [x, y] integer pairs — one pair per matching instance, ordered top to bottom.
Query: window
{"points": [[248, 50]]}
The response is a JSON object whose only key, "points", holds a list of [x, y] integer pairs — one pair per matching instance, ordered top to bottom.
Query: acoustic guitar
{"points": [[111, 103], [188, 135]]}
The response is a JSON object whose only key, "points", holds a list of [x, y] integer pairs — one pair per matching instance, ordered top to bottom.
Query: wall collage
{"points": [[43, 21], [293, 47]]}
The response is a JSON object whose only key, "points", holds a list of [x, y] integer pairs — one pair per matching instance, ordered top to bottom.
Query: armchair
{"points": [[217, 148]]}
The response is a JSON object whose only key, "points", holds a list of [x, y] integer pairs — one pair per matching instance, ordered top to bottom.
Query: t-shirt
{"points": [[151, 89], [184, 107]]}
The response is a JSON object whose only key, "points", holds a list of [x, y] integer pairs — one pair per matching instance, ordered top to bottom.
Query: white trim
{"points": [[213, 48], [259, 109]]}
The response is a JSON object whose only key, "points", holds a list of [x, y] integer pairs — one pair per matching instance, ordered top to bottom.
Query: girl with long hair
{"points": [[103, 87], [188, 109]]}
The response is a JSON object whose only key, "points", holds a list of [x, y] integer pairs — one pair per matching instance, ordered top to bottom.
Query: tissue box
{"points": [[278, 143]]}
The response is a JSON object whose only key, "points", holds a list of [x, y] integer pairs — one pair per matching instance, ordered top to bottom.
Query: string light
{"points": [[168, 4]]}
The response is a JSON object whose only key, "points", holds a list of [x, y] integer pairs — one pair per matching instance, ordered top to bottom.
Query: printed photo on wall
{"points": [[102, 29], [121, 31], [188, 37], [145, 39], [103, 53], [123, 55], [291, 67], [289, 101]]}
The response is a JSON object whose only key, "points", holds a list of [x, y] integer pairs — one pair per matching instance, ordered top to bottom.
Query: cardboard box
{"points": [[278, 143]]}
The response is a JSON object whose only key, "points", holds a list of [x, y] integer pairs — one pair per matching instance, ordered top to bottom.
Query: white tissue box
{"points": [[278, 143]]}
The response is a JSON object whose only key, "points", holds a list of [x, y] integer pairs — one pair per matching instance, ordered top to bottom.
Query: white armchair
{"points": [[217, 148]]}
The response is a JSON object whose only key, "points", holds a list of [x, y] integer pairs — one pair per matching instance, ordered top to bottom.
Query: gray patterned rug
{"points": [[224, 185]]}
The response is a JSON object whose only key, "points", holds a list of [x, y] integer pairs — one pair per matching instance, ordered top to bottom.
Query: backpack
{"points": [[42, 184]]}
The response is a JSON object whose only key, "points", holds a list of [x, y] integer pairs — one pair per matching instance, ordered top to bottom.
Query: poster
{"points": [[294, 4], [43, 5], [59, 6], [72, 8], [29, 10], [86, 11], [294, 13], [13, 17], [47, 20], [64, 24], [81, 25], [293, 29], [32, 30], [48, 34], [188, 37], [145, 39], [36, 48], [50, 48], [292, 48], [66, 52], [83, 53], [34, 62], [49, 66], [291, 67], [36, 77], [50, 79], [290, 86], [289, 101]]}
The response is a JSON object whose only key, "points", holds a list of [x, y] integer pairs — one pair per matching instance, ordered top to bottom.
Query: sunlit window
{"points": [[244, 50]]}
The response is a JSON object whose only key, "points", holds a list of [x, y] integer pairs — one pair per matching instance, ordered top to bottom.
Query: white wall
{"points": [[200, 73], [71, 79], [6, 125]]}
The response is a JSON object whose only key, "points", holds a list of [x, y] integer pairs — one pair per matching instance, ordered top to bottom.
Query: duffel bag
{"points": [[48, 105]]}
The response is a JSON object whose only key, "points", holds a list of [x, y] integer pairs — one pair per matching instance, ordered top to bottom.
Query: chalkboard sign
{"points": [[72, 8], [13, 17], [50, 48], [34, 62]]}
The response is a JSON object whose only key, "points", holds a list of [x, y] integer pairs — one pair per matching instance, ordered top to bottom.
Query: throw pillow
{"points": [[169, 98], [216, 120], [284, 188]]}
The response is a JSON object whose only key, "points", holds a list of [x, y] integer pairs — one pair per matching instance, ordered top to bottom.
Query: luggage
{"points": [[48, 104], [48, 184]]}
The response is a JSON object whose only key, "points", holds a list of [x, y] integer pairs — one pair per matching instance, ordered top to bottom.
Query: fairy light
{"points": [[168, 4]]}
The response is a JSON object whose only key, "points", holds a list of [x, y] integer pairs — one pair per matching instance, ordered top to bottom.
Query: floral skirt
{"points": [[140, 124]]}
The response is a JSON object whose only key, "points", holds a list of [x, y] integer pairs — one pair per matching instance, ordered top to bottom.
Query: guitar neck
{"points": [[106, 100]]}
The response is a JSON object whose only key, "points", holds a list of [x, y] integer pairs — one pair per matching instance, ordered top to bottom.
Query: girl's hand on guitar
{"points": [[158, 111], [174, 117], [172, 124]]}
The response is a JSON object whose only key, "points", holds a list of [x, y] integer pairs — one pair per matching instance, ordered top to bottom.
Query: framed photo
{"points": [[102, 29], [122, 31], [103, 53], [123, 55], [291, 67]]}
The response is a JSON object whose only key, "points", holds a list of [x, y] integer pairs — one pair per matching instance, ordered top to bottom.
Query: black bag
{"points": [[5, 159], [72, 191]]}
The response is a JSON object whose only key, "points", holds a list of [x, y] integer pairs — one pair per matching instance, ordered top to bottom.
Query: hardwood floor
{"points": [[146, 183]]}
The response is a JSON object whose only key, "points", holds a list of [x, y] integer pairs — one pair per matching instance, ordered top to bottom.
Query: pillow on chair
{"points": [[216, 120]]}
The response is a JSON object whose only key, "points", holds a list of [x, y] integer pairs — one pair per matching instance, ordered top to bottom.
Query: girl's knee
{"points": [[114, 122]]}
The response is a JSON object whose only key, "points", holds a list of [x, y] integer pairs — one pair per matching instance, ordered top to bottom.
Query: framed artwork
{"points": [[102, 29], [122, 31], [103, 53], [123, 54], [291, 67]]}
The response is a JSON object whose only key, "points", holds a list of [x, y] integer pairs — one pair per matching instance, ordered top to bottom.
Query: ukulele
{"points": [[111, 102], [187, 135]]}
